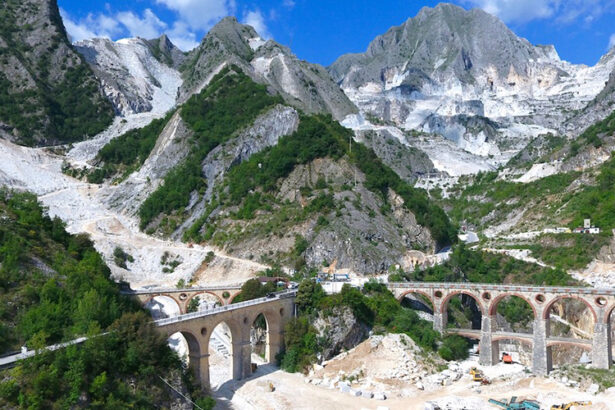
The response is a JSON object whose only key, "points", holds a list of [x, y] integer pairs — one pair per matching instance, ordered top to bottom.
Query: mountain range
{"points": [[237, 144]]}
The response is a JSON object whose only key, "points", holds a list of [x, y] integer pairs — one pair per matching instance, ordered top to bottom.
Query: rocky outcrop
{"points": [[166, 52], [136, 76], [301, 84], [48, 94], [597, 109], [265, 132], [170, 149], [407, 162], [361, 235], [340, 330]]}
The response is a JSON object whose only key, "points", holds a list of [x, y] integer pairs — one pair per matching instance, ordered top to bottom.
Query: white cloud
{"points": [[289, 3], [562, 11], [200, 14], [255, 19], [92, 26], [148, 26], [182, 36], [612, 41]]}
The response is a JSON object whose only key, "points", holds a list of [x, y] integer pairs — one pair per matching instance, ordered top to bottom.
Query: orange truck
{"points": [[506, 358]]}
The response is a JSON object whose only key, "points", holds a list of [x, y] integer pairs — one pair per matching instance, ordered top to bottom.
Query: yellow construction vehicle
{"points": [[478, 376], [568, 406]]}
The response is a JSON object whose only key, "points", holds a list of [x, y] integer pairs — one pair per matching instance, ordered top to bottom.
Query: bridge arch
{"points": [[233, 296], [448, 297], [187, 302], [150, 304], [431, 305], [493, 306], [547, 310], [608, 312], [520, 339], [570, 342], [195, 353]]}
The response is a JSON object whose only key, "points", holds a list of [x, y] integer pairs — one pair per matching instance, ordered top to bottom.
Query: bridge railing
{"points": [[505, 288], [176, 290], [188, 316]]}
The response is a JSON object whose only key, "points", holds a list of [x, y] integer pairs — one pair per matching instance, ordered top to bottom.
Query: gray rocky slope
{"points": [[466, 76], [302, 84], [48, 94]]}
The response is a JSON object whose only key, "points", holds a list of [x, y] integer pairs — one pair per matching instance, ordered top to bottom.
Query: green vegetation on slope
{"points": [[230, 102], [593, 134], [319, 136], [129, 151], [486, 194], [595, 202], [567, 251], [466, 265], [55, 287], [375, 307]]}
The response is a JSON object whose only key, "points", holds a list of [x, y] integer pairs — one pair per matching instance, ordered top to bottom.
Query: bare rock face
{"points": [[446, 66], [133, 78], [303, 85], [49, 93], [597, 109], [170, 149], [407, 162], [341, 330]]}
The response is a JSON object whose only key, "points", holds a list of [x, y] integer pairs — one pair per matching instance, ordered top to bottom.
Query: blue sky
{"points": [[321, 30]]}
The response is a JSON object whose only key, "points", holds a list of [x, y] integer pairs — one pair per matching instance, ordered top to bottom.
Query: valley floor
{"points": [[292, 392]]}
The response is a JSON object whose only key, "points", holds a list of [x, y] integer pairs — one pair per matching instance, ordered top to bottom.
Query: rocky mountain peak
{"points": [[303, 85]]}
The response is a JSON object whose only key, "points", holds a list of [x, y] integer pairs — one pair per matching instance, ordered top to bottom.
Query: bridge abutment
{"points": [[601, 346], [489, 350]]}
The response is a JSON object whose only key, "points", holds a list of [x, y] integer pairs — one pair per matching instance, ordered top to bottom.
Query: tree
{"points": [[309, 295], [194, 304]]}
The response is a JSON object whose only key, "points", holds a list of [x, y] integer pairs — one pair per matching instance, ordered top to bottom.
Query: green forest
{"points": [[230, 102], [55, 287]]}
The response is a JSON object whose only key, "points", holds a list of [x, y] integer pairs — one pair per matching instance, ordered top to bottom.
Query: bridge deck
{"points": [[502, 288], [176, 290], [235, 306], [475, 334]]}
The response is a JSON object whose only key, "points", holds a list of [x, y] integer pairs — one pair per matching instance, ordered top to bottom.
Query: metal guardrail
{"points": [[506, 288], [176, 290], [235, 306]]}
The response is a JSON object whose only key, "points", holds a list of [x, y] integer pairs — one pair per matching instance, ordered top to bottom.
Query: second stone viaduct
{"points": [[600, 303]]}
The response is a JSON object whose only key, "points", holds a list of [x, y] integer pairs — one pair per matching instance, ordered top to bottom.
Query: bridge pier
{"points": [[439, 321], [275, 339], [601, 346], [489, 351], [242, 359], [542, 360], [199, 363]]}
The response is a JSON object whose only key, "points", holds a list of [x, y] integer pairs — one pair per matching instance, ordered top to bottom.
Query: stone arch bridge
{"points": [[182, 297], [600, 302], [197, 328]]}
